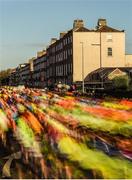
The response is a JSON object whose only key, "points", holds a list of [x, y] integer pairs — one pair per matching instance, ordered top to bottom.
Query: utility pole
{"points": [[100, 52], [101, 62], [82, 67]]}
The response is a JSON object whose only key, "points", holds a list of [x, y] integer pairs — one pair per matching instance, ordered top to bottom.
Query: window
{"points": [[109, 37], [71, 38], [66, 40], [71, 51], [109, 51], [66, 54], [59, 57], [69, 68], [60, 69], [57, 70], [66, 70]]}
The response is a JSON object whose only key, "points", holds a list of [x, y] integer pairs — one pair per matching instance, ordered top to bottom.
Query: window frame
{"points": [[109, 52]]}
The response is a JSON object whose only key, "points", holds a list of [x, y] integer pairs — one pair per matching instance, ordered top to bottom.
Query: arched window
{"points": [[109, 51]]}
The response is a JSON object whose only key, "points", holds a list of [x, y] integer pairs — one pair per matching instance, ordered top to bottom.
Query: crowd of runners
{"points": [[68, 137]]}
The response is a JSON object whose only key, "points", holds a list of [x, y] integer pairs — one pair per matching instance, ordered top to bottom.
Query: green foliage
{"points": [[4, 74], [121, 82], [130, 84]]}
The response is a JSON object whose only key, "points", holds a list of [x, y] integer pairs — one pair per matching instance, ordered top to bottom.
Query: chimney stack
{"points": [[101, 22], [78, 23], [62, 34], [53, 40], [41, 53], [30, 61]]}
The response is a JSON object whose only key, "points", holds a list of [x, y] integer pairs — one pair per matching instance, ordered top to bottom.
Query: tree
{"points": [[4, 75], [121, 82]]}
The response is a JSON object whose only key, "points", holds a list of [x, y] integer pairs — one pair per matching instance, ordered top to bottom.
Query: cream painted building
{"points": [[104, 47], [80, 51], [128, 60]]}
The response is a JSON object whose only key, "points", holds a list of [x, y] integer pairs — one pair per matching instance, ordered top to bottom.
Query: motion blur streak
{"points": [[65, 136]]}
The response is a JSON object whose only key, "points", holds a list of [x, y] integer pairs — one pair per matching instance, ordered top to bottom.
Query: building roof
{"points": [[81, 29], [107, 29], [110, 69], [104, 72]]}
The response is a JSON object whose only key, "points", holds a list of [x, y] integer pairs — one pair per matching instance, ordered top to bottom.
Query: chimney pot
{"points": [[102, 22], [78, 23], [62, 34], [53, 40]]}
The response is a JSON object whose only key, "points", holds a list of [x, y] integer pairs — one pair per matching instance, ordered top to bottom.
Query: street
{"points": [[45, 135]]}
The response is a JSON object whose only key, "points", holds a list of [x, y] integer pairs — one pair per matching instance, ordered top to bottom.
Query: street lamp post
{"points": [[99, 44], [101, 62], [82, 67]]}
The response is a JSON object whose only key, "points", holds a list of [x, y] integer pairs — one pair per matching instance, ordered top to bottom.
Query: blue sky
{"points": [[26, 26]]}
